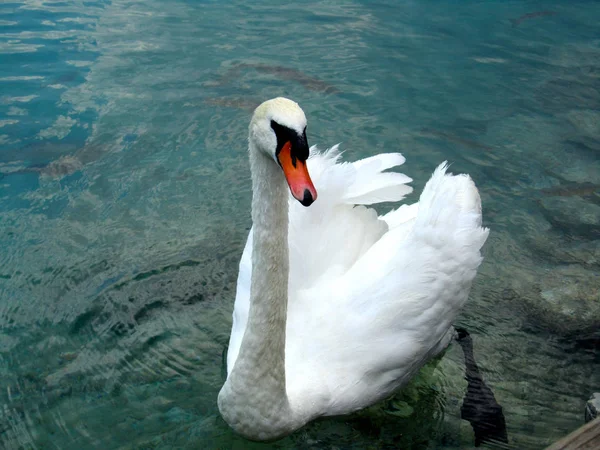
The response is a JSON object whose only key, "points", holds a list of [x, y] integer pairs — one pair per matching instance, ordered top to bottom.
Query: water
{"points": [[125, 195]]}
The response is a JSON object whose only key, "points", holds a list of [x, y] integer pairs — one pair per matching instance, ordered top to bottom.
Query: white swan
{"points": [[336, 308]]}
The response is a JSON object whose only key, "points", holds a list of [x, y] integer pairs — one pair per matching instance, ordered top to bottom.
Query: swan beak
{"points": [[297, 176]]}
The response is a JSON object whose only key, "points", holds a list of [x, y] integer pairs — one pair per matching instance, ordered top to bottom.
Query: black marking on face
{"points": [[299, 143]]}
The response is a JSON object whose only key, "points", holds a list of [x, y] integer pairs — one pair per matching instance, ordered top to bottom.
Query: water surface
{"points": [[125, 196]]}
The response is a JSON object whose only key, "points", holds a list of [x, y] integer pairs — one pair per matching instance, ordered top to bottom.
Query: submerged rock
{"points": [[586, 121], [65, 165], [572, 190], [572, 215], [553, 248], [569, 301], [592, 407]]}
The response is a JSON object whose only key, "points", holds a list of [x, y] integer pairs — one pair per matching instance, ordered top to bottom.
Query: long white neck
{"points": [[253, 400]]}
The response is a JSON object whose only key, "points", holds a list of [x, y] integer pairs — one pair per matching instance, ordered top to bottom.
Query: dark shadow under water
{"points": [[479, 406]]}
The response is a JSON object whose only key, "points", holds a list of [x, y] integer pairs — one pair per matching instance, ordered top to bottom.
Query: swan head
{"points": [[278, 129]]}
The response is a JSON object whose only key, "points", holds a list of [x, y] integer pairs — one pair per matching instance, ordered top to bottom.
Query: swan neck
{"points": [[264, 340], [254, 399]]}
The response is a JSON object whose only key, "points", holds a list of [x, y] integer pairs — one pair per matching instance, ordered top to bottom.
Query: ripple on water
{"points": [[124, 204]]}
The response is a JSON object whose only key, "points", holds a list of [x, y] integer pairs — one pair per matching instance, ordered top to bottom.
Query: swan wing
{"points": [[327, 238], [356, 338]]}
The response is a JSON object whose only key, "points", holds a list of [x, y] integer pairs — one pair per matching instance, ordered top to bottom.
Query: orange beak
{"points": [[297, 176]]}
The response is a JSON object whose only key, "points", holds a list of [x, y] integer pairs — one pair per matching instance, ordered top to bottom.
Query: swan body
{"points": [[337, 307]]}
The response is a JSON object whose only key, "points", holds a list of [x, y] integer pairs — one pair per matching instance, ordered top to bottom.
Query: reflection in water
{"points": [[479, 406]]}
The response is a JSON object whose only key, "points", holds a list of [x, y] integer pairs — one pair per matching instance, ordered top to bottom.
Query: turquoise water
{"points": [[125, 196]]}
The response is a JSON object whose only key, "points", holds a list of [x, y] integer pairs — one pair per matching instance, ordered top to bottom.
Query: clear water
{"points": [[125, 195]]}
